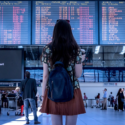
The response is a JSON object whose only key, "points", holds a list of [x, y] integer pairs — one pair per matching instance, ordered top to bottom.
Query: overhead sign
{"points": [[109, 84]]}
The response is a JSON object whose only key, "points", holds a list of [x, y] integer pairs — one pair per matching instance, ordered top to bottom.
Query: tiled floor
{"points": [[92, 117]]}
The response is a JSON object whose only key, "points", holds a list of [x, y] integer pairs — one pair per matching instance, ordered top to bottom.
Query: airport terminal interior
{"points": [[98, 27]]}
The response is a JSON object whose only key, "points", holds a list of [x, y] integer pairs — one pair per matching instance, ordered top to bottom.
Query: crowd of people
{"points": [[4, 94], [3, 98], [118, 103]]}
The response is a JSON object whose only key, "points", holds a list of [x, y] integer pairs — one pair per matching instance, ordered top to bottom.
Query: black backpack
{"points": [[60, 85]]}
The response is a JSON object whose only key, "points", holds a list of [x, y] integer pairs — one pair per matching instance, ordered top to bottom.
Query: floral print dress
{"points": [[46, 54], [72, 107]]}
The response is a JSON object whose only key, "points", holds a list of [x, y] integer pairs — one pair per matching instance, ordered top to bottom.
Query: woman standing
{"points": [[65, 49], [85, 98], [4, 99], [120, 99], [20, 100], [97, 100]]}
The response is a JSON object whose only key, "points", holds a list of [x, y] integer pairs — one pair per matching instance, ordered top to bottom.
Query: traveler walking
{"points": [[62, 64], [29, 89], [85, 98], [111, 99], [120, 99], [4, 100], [20, 100], [97, 100], [104, 106]]}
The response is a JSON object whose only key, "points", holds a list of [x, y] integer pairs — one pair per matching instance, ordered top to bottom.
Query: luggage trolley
{"points": [[13, 100], [100, 101], [85, 102], [91, 103]]}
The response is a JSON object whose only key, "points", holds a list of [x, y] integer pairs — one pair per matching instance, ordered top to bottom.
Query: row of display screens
{"points": [[91, 23]]}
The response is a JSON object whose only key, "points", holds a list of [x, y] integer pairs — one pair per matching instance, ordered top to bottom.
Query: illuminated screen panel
{"points": [[82, 15], [15, 22], [112, 22]]}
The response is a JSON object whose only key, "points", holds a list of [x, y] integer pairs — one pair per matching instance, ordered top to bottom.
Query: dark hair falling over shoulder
{"points": [[63, 45], [118, 91]]}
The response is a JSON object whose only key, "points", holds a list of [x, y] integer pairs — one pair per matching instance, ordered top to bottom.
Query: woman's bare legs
{"points": [[56, 119], [71, 120]]}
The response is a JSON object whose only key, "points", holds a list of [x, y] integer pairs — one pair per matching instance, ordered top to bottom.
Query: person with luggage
{"points": [[62, 65], [29, 90], [12, 94], [85, 98], [111, 99], [4, 100], [20, 100], [97, 100], [120, 100], [21, 103], [104, 105]]}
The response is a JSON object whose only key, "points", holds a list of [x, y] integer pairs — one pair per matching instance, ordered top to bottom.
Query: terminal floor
{"points": [[92, 117]]}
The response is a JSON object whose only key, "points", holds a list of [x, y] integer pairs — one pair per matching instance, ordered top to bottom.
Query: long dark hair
{"points": [[63, 45], [118, 91]]}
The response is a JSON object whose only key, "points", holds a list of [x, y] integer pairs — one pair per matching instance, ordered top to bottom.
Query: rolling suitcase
{"points": [[116, 107]]}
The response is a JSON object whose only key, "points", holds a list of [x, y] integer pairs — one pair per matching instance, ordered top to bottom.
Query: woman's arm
{"points": [[78, 68], [45, 78]]}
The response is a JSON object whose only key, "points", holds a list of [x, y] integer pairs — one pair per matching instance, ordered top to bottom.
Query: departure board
{"points": [[83, 16], [15, 22], [112, 22]]}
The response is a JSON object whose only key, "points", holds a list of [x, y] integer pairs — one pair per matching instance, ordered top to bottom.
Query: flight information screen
{"points": [[83, 16], [15, 22], [112, 22]]}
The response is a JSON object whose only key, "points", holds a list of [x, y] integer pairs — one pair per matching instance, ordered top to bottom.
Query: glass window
{"points": [[31, 56]]}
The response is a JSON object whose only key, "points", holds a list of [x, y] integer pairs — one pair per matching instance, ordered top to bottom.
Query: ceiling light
{"points": [[20, 46], [97, 49], [123, 50]]}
